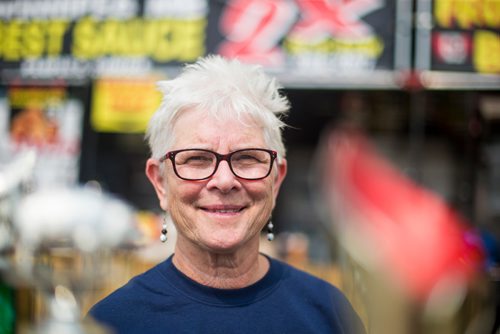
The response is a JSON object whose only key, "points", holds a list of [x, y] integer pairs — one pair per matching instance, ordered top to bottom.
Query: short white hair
{"points": [[223, 89]]}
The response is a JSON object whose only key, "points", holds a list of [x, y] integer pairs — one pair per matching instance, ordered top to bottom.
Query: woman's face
{"points": [[224, 212]]}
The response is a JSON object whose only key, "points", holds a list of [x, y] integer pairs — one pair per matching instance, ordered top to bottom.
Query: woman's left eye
{"points": [[247, 158]]}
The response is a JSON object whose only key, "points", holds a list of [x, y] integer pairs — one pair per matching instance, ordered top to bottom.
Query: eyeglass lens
{"points": [[200, 164]]}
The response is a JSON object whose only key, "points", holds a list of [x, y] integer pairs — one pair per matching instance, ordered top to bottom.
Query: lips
{"points": [[223, 209]]}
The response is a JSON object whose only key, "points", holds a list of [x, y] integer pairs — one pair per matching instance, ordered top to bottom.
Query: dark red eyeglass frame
{"points": [[220, 157]]}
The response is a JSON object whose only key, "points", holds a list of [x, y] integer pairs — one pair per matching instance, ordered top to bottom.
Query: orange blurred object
{"points": [[33, 127]]}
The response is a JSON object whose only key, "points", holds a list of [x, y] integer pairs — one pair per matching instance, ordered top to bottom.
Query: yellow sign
{"points": [[467, 14], [161, 40], [487, 45], [124, 105]]}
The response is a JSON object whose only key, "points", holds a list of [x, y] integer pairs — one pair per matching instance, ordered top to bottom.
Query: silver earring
{"points": [[270, 234], [163, 236]]}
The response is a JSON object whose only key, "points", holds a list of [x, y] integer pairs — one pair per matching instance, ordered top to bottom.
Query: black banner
{"points": [[81, 39]]}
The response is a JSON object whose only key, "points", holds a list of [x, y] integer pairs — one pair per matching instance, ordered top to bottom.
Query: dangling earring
{"points": [[270, 234], [163, 236]]}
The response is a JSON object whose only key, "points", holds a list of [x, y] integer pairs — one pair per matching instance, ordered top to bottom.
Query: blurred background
{"points": [[393, 144]]}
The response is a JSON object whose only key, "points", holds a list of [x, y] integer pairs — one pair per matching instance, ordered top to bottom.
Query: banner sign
{"points": [[309, 36], [466, 36], [94, 38], [78, 39], [123, 106], [50, 121]]}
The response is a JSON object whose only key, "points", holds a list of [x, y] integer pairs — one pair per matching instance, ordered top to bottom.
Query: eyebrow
{"points": [[211, 149]]}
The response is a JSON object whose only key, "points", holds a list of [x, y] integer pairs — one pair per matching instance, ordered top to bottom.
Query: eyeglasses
{"points": [[200, 164]]}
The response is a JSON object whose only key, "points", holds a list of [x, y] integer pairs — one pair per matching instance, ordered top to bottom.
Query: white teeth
{"points": [[225, 211]]}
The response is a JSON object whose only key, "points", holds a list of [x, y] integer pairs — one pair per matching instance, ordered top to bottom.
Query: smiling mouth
{"points": [[223, 210]]}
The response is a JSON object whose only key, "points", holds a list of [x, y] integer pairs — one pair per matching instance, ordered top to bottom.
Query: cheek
{"points": [[267, 191], [179, 195], [264, 196], [180, 201]]}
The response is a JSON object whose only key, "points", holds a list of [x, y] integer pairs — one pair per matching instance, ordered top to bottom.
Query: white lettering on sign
{"points": [[68, 9]]}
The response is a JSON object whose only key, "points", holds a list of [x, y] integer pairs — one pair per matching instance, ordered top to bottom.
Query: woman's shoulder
{"points": [[293, 274], [306, 283], [139, 288], [308, 291]]}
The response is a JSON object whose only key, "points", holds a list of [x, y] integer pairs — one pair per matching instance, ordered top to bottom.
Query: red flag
{"points": [[388, 220]]}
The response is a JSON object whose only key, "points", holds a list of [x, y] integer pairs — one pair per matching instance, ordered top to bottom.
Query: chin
{"points": [[225, 245]]}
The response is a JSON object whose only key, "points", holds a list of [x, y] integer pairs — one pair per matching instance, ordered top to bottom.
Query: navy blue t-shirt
{"points": [[285, 300]]}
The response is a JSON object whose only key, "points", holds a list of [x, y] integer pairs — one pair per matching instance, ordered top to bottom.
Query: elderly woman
{"points": [[217, 164]]}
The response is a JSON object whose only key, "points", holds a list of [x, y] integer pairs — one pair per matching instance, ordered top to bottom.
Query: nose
{"points": [[223, 179]]}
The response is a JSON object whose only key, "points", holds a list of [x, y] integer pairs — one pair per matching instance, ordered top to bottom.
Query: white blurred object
{"points": [[15, 169], [84, 218], [65, 245]]}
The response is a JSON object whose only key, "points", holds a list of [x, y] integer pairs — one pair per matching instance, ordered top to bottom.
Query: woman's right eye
{"points": [[198, 159]]}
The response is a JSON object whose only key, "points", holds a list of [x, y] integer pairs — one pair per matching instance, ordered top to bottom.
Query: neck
{"points": [[221, 270]]}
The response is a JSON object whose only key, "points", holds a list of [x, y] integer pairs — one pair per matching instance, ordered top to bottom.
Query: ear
{"points": [[279, 177], [157, 179]]}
